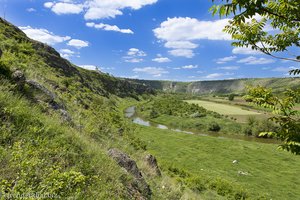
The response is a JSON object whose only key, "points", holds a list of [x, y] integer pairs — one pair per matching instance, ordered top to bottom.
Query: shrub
{"points": [[231, 97], [214, 126], [247, 130]]}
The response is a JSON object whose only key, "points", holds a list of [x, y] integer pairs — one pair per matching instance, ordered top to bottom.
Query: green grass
{"points": [[222, 109], [199, 125], [272, 172]]}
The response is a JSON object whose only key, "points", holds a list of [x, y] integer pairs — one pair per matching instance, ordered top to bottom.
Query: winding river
{"points": [[137, 119]]}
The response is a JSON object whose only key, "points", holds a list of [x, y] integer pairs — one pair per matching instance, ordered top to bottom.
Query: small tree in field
{"points": [[250, 28], [231, 97]]}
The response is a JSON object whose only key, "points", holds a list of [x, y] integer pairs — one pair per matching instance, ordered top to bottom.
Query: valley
{"points": [[94, 111]]}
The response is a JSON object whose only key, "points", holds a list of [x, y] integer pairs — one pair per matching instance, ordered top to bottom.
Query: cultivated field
{"points": [[223, 108]]}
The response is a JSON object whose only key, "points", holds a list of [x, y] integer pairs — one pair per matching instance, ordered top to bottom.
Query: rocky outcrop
{"points": [[19, 78], [152, 163], [130, 166]]}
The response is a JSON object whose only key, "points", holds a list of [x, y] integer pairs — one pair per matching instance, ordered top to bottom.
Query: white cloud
{"points": [[48, 4], [64, 7], [96, 9], [100, 9], [31, 10], [108, 27], [180, 34], [43, 35], [78, 43], [180, 45], [245, 51], [136, 52], [66, 53], [188, 53], [134, 55], [226, 59], [161, 60], [251, 60], [88, 67], [190, 67], [229, 68], [154, 71], [217, 75]]}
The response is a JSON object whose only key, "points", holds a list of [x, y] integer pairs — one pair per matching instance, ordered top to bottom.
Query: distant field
{"points": [[223, 108]]}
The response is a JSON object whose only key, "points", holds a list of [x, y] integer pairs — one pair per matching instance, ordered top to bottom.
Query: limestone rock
{"points": [[19, 78], [152, 162], [130, 166]]}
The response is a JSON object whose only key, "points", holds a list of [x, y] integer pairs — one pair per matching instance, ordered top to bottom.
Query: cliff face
{"points": [[222, 86]]}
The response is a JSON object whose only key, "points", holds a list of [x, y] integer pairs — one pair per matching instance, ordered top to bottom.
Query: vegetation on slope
{"points": [[57, 123]]}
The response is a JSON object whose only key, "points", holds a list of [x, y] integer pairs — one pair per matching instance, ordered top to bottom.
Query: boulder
{"points": [[19, 78], [35, 85], [65, 115], [126, 162], [152, 163], [130, 166]]}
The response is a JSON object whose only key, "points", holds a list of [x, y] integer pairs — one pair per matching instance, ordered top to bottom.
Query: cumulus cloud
{"points": [[61, 8], [97, 9], [108, 27], [180, 34], [43, 35], [78, 43], [245, 51], [66, 53], [188, 53], [134, 55], [161, 59], [225, 59], [251, 60], [88, 67], [190, 67], [229, 68], [154, 71], [217, 75]]}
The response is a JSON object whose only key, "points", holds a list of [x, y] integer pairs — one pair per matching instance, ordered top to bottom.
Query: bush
{"points": [[231, 97], [214, 126], [247, 130]]}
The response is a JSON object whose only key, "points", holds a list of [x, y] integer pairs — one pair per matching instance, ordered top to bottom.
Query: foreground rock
{"points": [[19, 78], [152, 163], [130, 166]]}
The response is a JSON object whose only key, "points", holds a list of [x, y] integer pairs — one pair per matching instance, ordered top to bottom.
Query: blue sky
{"points": [[145, 39]]}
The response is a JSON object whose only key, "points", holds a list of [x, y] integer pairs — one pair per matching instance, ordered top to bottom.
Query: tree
{"points": [[269, 26], [231, 97], [285, 116]]}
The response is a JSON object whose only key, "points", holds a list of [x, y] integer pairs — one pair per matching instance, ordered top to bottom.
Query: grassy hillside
{"points": [[222, 86], [58, 122]]}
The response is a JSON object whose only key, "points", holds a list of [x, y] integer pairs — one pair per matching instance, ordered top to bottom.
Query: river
{"points": [[137, 119]]}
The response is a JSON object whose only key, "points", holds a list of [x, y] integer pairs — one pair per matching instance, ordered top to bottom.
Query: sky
{"points": [[176, 40]]}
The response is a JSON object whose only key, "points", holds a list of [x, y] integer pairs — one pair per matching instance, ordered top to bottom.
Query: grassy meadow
{"points": [[222, 108], [237, 111], [262, 171]]}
